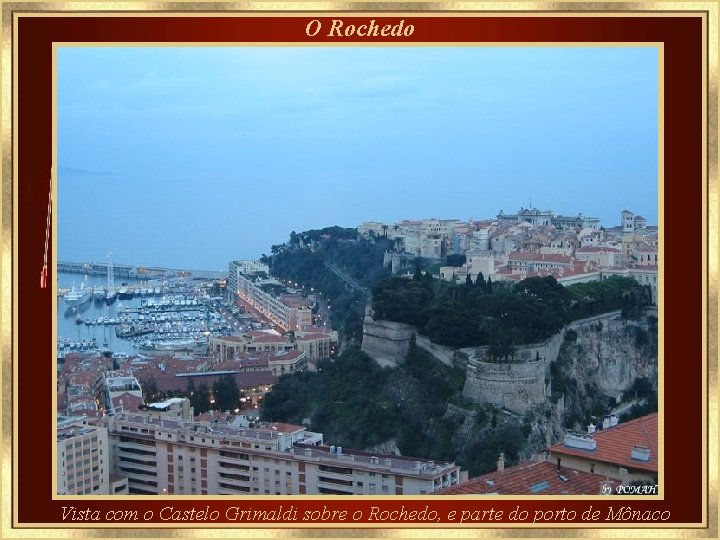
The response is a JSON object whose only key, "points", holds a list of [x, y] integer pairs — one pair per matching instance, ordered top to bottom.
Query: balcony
{"points": [[136, 450], [149, 467], [136, 474]]}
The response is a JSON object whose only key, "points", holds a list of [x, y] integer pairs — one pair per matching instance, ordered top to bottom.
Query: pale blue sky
{"points": [[192, 157]]}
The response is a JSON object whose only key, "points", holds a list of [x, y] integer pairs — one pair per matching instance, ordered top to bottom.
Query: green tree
{"points": [[151, 391], [227, 393], [200, 399]]}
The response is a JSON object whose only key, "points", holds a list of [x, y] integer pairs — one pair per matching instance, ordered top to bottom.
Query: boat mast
{"points": [[111, 277]]}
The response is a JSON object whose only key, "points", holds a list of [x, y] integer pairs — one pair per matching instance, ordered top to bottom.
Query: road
{"points": [[350, 281]]}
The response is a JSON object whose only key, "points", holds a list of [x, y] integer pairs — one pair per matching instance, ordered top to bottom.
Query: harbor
{"points": [[137, 316]]}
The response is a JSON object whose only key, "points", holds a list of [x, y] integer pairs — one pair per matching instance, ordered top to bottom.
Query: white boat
{"points": [[98, 294], [110, 296], [77, 297]]}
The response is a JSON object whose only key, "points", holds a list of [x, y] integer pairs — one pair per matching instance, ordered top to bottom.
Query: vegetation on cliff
{"points": [[304, 259], [483, 313], [579, 372], [357, 404]]}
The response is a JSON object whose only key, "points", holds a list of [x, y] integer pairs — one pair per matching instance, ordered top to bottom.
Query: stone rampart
{"points": [[386, 342], [441, 352], [517, 387]]}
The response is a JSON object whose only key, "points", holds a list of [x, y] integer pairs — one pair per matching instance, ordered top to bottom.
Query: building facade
{"points": [[288, 318], [161, 456], [83, 461]]}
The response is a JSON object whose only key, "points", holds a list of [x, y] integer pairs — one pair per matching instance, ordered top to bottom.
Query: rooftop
{"points": [[598, 249], [530, 256], [615, 444], [380, 461], [532, 478]]}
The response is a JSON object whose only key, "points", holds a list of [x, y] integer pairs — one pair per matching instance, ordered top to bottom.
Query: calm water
{"points": [[105, 333]]}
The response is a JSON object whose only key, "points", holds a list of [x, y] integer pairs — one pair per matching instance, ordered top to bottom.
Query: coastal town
{"points": [[163, 375]]}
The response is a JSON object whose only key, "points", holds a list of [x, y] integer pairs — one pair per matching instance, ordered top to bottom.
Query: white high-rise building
{"points": [[83, 466]]}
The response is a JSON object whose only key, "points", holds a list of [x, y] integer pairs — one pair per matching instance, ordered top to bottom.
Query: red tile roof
{"points": [[594, 249], [529, 256], [265, 337], [286, 355], [85, 378], [127, 401], [284, 428], [615, 444], [531, 478]]}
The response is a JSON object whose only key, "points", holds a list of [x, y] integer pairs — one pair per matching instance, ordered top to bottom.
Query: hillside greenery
{"points": [[303, 260], [501, 317], [357, 404]]}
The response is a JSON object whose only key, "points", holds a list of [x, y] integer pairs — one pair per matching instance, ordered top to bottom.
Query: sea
{"points": [[67, 327]]}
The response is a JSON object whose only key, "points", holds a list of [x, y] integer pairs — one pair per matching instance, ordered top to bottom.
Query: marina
{"points": [[136, 317]]}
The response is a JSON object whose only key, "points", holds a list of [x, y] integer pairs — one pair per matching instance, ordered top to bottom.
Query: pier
{"points": [[135, 272]]}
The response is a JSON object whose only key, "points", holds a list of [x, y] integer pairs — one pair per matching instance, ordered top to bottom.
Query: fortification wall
{"points": [[386, 342], [441, 352], [520, 384], [517, 387]]}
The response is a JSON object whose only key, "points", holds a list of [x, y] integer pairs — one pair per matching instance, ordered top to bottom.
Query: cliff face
{"points": [[610, 353], [604, 354], [546, 388]]}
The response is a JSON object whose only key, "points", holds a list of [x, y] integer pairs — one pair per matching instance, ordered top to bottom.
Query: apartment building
{"points": [[529, 261], [242, 267], [289, 318], [312, 341], [122, 391], [627, 451], [161, 456], [83, 466]]}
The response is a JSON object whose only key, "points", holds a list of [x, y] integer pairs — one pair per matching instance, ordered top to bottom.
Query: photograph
{"points": [[389, 269], [287, 270]]}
